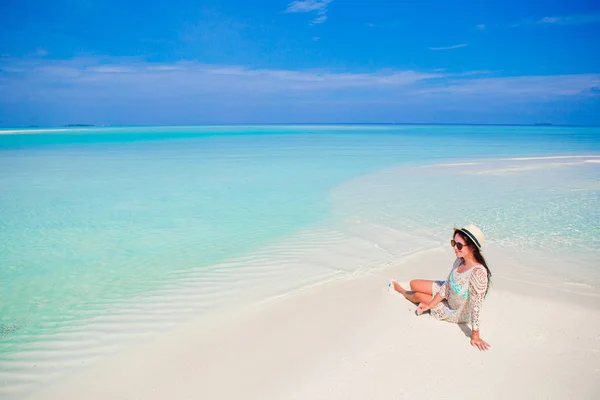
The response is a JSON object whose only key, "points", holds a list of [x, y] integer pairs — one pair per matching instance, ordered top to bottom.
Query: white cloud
{"points": [[310, 6], [319, 20], [549, 20], [570, 20], [560, 21], [481, 27], [456, 46], [40, 53], [164, 68], [105, 69], [190, 77], [134, 80], [539, 88], [133, 91]]}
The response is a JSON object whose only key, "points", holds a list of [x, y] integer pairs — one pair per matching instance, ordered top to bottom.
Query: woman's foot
{"points": [[396, 286]]}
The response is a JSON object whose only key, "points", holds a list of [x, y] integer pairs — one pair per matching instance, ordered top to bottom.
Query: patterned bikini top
{"points": [[459, 282]]}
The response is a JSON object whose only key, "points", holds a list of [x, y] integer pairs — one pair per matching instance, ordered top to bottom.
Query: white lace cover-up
{"points": [[463, 294]]}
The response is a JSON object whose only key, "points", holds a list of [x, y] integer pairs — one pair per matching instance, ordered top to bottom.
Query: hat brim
{"points": [[470, 235]]}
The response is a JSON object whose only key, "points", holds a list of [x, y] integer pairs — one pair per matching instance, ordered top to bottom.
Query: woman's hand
{"points": [[422, 307], [479, 343]]}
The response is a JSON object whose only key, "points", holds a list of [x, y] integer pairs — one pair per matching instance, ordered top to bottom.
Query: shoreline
{"points": [[261, 281], [351, 338]]}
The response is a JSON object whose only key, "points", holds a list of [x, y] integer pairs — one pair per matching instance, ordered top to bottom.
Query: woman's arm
{"points": [[477, 286], [428, 306]]}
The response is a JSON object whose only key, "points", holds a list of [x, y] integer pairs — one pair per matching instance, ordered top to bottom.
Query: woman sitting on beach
{"points": [[459, 298]]}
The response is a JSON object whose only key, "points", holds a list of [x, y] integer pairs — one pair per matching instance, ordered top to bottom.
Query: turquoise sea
{"points": [[113, 234]]}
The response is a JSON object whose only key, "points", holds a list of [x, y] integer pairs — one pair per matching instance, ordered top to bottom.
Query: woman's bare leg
{"points": [[421, 285], [420, 293]]}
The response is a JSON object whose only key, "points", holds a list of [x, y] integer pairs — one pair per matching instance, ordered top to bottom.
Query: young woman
{"points": [[459, 298]]}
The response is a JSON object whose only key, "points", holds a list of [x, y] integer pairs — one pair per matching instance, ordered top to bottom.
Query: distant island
{"points": [[77, 125]]}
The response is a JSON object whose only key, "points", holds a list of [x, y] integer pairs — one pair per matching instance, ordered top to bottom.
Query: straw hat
{"points": [[474, 233]]}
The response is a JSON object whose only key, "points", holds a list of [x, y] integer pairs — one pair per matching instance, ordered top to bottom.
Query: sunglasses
{"points": [[459, 246]]}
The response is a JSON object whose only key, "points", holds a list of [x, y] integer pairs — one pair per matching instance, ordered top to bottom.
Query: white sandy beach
{"points": [[36, 131], [352, 339]]}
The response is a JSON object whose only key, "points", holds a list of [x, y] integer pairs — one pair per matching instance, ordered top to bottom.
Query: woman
{"points": [[459, 298]]}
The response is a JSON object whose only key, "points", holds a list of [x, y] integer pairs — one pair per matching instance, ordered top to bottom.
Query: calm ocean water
{"points": [[93, 219]]}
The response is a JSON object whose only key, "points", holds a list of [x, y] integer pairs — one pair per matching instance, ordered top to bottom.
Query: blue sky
{"points": [[204, 62]]}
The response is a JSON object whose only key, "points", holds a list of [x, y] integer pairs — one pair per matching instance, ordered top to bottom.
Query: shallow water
{"points": [[545, 210], [104, 232]]}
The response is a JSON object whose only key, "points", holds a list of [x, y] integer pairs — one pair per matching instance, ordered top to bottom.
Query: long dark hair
{"points": [[478, 257]]}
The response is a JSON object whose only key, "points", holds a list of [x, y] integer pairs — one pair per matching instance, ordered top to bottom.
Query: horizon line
{"points": [[92, 126]]}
